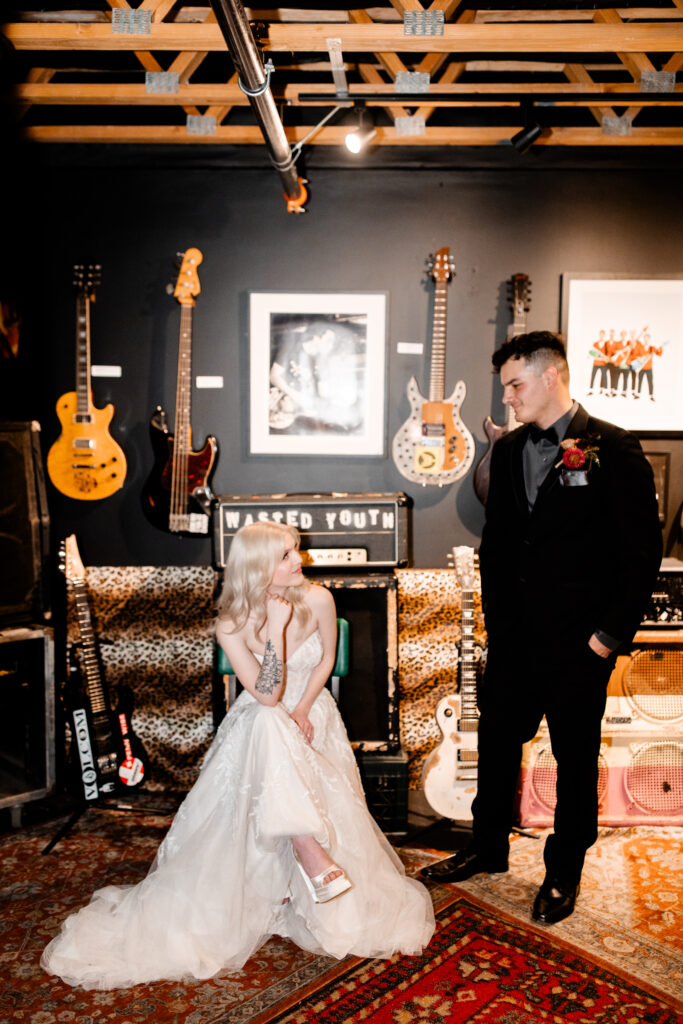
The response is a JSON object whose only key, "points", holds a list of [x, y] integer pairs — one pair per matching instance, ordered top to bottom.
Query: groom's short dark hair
{"points": [[540, 349]]}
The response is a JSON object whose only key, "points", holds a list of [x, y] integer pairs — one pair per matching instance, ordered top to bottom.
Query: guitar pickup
{"points": [[83, 442], [469, 755]]}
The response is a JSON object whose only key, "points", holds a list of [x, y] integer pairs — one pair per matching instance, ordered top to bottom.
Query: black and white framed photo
{"points": [[625, 347], [317, 373]]}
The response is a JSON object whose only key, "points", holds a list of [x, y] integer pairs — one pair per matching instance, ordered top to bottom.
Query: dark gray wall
{"points": [[367, 230]]}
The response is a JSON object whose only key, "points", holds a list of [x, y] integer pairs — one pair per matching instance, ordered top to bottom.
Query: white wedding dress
{"points": [[215, 891]]}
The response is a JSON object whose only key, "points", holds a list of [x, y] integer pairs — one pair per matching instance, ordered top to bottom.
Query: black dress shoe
{"points": [[462, 865], [555, 901]]}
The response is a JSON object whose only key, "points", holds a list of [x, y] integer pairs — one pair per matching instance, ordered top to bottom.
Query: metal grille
{"points": [[653, 682], [544, 777], [654, 777]]}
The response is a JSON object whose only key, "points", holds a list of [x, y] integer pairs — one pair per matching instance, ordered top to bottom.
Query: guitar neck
{"points": [[437, 377], [83, 399], [182, 441], [468, 670], [93, 679]]}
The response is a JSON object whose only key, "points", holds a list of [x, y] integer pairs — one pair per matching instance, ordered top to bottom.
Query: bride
{"points": [[275, 837]]}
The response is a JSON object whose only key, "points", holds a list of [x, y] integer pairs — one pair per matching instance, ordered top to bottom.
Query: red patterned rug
{"points": [[482, 965]]}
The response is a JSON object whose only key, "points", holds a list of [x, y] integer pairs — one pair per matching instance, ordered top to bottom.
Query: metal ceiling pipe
{"points": [[254, 81]]}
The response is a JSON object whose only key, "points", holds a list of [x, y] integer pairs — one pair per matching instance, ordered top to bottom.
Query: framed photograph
{"points": [[625, 348], [317, 373], [660, 467]]}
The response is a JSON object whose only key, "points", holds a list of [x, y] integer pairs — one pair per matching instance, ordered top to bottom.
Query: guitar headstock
{"points": [[441, 267], [87, 276], [187, 285], [519, 294], [70, 560], [464, 561]]}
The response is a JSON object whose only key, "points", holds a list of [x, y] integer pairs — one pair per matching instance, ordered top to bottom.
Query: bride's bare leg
{"points": [[313, 858]]}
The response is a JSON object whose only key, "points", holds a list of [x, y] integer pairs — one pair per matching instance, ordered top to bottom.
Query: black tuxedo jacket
{"points": [[585, 558]]}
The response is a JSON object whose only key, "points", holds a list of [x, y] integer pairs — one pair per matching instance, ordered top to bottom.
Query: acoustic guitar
{"points": [[519, 289], [434, 446], [85, 462], [176, 496], [110, 755], [449, 776]]}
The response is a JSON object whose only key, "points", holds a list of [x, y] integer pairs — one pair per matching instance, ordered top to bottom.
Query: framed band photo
{"points": [[625, 348], [317, 373]]}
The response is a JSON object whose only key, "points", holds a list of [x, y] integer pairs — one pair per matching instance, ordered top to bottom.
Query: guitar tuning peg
{"points": [[170, 288]]}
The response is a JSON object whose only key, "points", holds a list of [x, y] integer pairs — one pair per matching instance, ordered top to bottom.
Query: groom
{"points": [[569, 555]]}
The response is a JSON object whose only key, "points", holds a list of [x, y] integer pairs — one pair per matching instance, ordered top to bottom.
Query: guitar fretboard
{"points": [[437, 377], [83, 413], [182, 431], [91, 668], [468, 670]]}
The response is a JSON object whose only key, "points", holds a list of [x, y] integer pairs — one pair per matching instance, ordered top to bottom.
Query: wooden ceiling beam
{"points": [[374, 38], [42, 90], [334, 136]]}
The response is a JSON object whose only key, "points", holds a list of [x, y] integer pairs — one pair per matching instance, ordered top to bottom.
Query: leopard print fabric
{"points": [[429, 615], [154, 630]]}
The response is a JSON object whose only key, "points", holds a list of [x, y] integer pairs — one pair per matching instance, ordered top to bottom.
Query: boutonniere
{"points": [[578, 453]]}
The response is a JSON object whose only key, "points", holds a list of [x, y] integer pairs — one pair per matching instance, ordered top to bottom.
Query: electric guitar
{"points": [[519, 287], [434, 446], [85, 462], [176, 496], [110, 755], [449, 776]]}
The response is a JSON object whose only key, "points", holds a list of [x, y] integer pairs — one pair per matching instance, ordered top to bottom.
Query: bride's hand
{"points": [[278, 611], [303, 721]]}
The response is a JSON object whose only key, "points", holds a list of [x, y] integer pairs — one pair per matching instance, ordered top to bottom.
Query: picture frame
{"points": [[624, 336], [317, 373], [660, 462]]}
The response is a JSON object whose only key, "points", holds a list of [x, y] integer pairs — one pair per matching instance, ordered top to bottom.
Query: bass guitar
{"points": [[519, 288], [434, 446], [85, 462], [176, 496], [110, 755], [449, 776]]}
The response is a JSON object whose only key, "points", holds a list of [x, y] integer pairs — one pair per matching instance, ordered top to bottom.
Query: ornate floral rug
{"points": [[484, 965]]}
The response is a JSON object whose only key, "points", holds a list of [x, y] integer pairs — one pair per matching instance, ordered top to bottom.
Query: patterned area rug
{"points": [[630, 910], [483, 965]]}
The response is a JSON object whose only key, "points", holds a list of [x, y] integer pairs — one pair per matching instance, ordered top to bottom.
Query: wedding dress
{"points": [[215, 891]]}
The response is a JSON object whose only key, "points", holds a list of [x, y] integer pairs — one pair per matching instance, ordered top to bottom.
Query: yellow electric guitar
{"points": [[434, 446], [85, 462]]}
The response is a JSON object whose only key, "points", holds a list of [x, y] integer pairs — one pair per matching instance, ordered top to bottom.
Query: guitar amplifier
{"points": [[338, 530], [665, 607]]}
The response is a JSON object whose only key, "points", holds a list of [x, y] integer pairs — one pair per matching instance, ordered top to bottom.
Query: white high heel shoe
{"points": [[320, 891]]}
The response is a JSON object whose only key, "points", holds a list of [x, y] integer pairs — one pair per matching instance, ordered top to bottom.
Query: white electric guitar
{"points": [[449, 777]]}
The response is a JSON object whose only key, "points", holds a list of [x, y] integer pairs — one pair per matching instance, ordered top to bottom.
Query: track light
{"points": [[359, 137], [525, 139]]}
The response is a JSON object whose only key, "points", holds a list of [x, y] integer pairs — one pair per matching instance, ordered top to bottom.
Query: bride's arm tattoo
{"points": [[270, 675]]}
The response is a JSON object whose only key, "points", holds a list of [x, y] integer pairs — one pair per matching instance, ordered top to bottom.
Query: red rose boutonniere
{"points": [[578, 453]]}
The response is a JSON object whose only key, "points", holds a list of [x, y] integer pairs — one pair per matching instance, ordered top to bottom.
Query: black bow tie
{"points": [[536, 434]]}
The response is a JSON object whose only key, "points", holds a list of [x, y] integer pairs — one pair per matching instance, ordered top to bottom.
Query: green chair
{"points": [[341, 665]]}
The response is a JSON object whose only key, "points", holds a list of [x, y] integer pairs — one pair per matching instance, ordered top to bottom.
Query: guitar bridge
{"points": [[194, 522]]}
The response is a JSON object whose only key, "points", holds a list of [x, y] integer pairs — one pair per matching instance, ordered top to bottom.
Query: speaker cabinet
{"points": [[24, 526], [650, 678], [27, 715], [640, 773]]}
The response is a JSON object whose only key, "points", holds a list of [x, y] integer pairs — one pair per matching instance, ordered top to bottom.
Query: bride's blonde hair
{"points": [[255, 553]]}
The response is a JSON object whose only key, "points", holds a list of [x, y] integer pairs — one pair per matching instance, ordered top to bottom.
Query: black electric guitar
{"points": [[519, 287], [434, 446], [85, 462], [176, 496], [110, 756], [449, 776]]}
